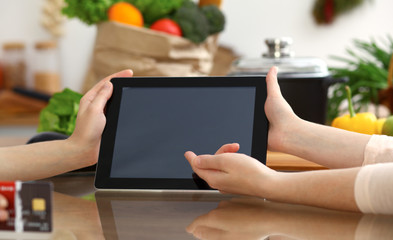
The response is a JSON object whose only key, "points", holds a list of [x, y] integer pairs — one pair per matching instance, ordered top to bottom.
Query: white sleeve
{"points": [[379, 149], [374, 188], [373, 226]]}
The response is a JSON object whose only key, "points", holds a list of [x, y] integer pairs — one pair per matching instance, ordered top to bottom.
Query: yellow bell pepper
{"points": [[365, 122], [379, 125]]}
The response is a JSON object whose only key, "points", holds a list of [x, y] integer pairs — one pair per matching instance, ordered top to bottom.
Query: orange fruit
{"points": [[127, 13]]}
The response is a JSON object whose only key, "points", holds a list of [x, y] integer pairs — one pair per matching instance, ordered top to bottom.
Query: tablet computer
{"points": [[153, 121]]}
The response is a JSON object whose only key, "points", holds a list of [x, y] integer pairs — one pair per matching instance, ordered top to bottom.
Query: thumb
{"points": [[273, 89]]}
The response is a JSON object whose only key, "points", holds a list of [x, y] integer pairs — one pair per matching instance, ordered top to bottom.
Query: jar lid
{"points": [[45, 45], [13, 46], [280, 55]]}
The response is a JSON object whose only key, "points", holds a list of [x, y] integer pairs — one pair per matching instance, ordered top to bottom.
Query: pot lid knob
{"points": [[279, 47]]}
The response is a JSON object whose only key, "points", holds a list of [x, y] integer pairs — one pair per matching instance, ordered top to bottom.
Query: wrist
{"points": [[291, 135], [80, 155], [269, 184]]}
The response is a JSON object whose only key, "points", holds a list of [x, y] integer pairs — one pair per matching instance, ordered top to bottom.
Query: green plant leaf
{"points": [[367, 64]]}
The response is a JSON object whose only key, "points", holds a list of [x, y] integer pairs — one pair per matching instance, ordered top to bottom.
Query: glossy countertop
{"points": [[109, 215], [160, 215]]}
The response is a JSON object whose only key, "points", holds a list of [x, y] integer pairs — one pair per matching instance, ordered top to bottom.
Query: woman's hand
{"points": [[91, 119], [324, 145], [231, 172], [3, 206], [238, 218], [253, 218]]}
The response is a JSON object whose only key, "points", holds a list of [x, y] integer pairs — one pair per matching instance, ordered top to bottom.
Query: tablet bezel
{"points": [[104, 164]]}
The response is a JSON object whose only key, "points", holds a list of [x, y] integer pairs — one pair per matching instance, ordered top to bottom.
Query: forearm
{"points": [[328, 146], [39, 160], [332, 189]]}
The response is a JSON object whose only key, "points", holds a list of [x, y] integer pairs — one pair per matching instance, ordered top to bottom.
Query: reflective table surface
{"points": [[136, 215]]}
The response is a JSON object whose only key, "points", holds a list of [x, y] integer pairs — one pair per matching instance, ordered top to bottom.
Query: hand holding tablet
{"points": [[151, 122]]}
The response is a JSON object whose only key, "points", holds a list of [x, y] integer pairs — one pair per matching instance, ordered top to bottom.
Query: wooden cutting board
{"points": [[17, 109], [287, 162]]}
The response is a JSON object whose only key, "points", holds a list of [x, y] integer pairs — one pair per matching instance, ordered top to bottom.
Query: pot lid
{"points": [[280, 55]]}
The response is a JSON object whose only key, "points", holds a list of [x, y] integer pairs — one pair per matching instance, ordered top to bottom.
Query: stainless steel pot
{"points": [[304, 81]]}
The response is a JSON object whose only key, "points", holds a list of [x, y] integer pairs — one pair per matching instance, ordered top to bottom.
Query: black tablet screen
{"points": [[156, 126]]}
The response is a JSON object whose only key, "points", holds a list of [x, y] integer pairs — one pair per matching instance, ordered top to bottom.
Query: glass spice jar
{"points": [[14, 65], [46, 67], [1, 76]]}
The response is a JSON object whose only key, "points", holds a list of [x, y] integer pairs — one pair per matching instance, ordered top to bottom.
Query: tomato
{"points": [[168, 26]]}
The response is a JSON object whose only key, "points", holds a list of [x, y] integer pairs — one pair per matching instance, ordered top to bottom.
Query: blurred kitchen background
{"points": [[248, 24]]}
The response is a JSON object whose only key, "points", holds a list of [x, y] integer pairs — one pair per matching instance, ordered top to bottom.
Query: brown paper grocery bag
{"points": [[147, 53]]}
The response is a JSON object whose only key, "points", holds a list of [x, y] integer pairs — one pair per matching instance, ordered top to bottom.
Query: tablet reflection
{"points": [[152, 215], [185, 215], [247, 218]]}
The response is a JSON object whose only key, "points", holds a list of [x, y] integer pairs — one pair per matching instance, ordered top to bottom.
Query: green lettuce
{"points": [[60, 114]]}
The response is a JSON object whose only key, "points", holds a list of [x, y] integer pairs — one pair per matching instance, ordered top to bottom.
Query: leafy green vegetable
{"points": [[142, 5], [154, 10], [88, 11], [95, 11], [215, 18], [192, 21], [196, 23], [367, 71], [60, 114]]}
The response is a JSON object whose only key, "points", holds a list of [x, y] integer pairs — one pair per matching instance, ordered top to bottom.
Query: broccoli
{"points": [[153, 10], [88, 11], [215, 18], [192, 22]]}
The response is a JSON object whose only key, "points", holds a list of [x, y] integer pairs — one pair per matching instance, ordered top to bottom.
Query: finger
{"points": [[97, 87], [273, 89], [91, 94], [102, 97], [229, 148], [190, 156], [212, 162], [211, 176], [223, 192], [3, 202], [3, 215], [201, 220], [207, 232]]}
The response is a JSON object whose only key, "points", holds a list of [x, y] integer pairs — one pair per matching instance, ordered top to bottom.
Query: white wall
{"points": [[249, 22]]}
